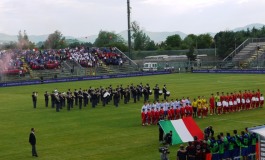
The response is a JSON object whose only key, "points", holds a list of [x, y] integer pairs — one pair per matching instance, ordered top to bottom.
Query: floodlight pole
{"points": [[129, 28]]}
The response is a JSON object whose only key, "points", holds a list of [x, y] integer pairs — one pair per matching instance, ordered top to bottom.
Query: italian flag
{"points": [[183, 130]]}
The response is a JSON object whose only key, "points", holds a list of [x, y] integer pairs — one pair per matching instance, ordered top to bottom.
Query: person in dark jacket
{"points": [[32, 141]]}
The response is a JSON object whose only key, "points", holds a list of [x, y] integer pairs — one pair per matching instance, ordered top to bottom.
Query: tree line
{"points": [[224, 41]]}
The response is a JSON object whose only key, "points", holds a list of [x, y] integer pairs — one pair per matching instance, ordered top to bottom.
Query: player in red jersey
{"points": [[249, 96], [245, 97], [257, 98], [238, 99], [253, 100], [261, 100], [235, 102], [230, 103], [188, 110], [182, 111], [161, 113], [172, 113], [177, 113], [169, 114], [153, 115], [156, 116], [143, 117], [148, 118]]}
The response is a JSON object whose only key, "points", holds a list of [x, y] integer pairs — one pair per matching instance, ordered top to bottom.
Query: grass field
{"points": [[110, 133]]}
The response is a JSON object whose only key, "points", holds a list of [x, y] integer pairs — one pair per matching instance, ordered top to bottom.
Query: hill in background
{"points": [[155, 36]]}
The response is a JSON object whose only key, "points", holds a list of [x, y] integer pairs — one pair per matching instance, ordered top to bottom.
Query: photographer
{"points": [[208, 131], [161, 133], [168, 138], [164, 152], [181, 153]]}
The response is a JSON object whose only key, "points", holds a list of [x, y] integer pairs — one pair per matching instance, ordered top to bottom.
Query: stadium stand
{"points": [[245, 54], [46, 64]]}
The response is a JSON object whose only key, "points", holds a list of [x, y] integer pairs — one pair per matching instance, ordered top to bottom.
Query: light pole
{"points": [[129, 28], [257, 50], [215, 53]]}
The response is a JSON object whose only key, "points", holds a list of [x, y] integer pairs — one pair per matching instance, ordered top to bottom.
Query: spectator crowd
{"points": [[11, 61]]}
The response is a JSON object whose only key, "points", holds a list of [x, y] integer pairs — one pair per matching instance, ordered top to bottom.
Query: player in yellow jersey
{"points": [[217, 103], [194, 107], [199, 109], [205, 109]]}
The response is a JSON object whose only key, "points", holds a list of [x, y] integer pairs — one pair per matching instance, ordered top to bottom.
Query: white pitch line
{"points": [[222, 119]]}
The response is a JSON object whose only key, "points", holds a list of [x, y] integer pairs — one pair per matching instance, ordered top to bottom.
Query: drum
{"points": [[150, 92], [160, 92], [167, 93], [106, 95]]}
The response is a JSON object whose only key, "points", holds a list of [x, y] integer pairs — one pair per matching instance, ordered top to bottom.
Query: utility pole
{"points": [[129, 28]]}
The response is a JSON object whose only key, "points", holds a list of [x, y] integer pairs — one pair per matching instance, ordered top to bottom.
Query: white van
{"points": [[150, 67]]}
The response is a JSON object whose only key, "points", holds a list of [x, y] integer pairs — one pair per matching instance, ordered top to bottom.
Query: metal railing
{"points": [[243, 45], [128, 58]]}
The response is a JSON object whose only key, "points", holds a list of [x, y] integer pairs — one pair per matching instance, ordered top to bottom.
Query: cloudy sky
{"points": [[82, 18]]}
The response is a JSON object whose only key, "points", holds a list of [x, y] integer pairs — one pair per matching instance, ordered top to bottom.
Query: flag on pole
{"points": [[183, 130]]}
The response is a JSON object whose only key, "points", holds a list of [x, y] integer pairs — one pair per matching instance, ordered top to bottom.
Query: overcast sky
{"points": [[81, 18]]}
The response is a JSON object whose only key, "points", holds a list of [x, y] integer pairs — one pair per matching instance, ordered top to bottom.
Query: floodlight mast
{"points": [[129, 28]]}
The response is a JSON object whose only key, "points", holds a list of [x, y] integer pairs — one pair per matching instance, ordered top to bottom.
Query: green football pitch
{"points": [[108, 132]]}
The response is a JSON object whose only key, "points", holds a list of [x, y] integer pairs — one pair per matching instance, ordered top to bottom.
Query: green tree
{"points": [[106, 38], [141, 40], [23, 41], [55, 41], [173, 41], [189, 41], [204, 41], [225, 43], [9, 45], [121, 46], [151, 46], [190, 55]]}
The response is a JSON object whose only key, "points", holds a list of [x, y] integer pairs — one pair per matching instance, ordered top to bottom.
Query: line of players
{"points": [[82, 97], [237, 101], [151, 113]]}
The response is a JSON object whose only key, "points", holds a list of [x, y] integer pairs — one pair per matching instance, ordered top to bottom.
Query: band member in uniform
{"points": [[148, 90], [138, 92], [156, 92], [165, 92], [145, 93], [134, 94], [85, 95], [126, 95], [46, 97], [76, 97], [116, 97], [34, 99], [80, 99], [93, 99], [53, 100], [61, 100], [69, 100], [57, 102]]}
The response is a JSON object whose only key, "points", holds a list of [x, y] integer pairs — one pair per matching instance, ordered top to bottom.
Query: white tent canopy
{"points": [[259, 130]]}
